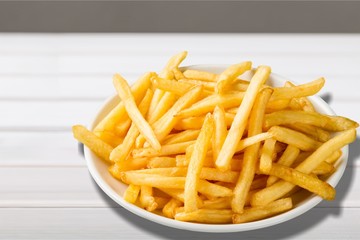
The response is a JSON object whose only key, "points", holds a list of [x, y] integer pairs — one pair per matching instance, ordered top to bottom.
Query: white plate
{"points": [[115, 189]]}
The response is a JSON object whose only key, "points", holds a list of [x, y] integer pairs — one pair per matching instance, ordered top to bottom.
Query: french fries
{"points": [[204, 147]]}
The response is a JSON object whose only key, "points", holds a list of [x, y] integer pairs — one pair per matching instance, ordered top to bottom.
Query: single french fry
{"points": [[173, 62], [177, 73], [230, 74], [201, 75], [206, 85], [177, 87], [302, 90], [158, 94], [165, 103], [209, 103], [301, 103], [277, 105], [117, 114], [197, 122], [166, 123], [331, 123], [123, 126], [143, 126], [238, 126], [220, 131], [315, 132], [184, 136], [110, 138], [297, 139], [246, 142], [96, 145], [171, 149], [121, 152], [266, 156], [334, 157], [287, 159], [161, 162], [196, 162], [131, 164], [324, 168], [165, 171], [247, 173], [214, 174], [151, 180], [303, 180], [161, 182], [281, 188], [131, 193], [146, 199], [218, 203], [170, 207], [258, 213], [205, 216]]}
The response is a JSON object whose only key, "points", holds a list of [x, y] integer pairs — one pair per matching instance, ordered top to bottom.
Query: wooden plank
{"points": [[160, 43], [336, 64], [40, 149], [49, 187], [73, 187], [110, 223]]}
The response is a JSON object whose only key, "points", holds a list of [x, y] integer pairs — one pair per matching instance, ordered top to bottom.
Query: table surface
{"points": [[49, 82]]}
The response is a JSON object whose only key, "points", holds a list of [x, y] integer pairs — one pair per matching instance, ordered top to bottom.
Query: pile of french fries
{"points": [[213, 148]]}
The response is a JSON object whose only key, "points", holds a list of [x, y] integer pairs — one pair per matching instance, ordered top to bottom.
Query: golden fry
{"points": [[230, 74], [201, 75], [302, 90], [124, 92], [209, 103], [117, 114], [331, 123], [238, 126], [220, 131], [294, 138], [98, 146], [121, 152], [266, 156], [197, 158], [287, 159], [246, 176], [306, 181], [281, 188], [131, 194], [258, 213], [205, 216]]}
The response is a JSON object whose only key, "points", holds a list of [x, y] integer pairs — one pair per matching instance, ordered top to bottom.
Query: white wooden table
{"points": [[50, 82]]}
